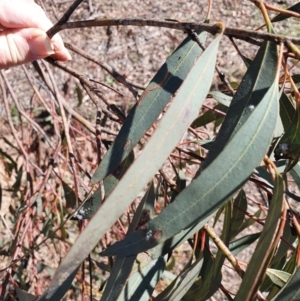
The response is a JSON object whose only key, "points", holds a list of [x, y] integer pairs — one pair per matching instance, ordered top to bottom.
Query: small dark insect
{"points": [[282, 151]]}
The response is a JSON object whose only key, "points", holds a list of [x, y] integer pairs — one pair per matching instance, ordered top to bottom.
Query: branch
{"points": [[213, 29]]}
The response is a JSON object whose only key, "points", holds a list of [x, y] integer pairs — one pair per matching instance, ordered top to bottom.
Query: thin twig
{"points": [[65, 18], [115, 74], [221, 74], [106, 86], [88, 88], [67, 107], [14, 132], [67, 135], [98, 137], [52, 234], [224, 249]]}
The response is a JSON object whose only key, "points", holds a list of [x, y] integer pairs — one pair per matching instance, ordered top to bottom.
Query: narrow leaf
{"points": [[281, 17], [254, 86], [222, 98], [154, 99], [182, 111], [287, 111], [289, 145], [215, 184], [69, 195], [239, 210], [240, 244], [265, 248], [123, 265], [280, 278], [178, 288], [291, 291]]}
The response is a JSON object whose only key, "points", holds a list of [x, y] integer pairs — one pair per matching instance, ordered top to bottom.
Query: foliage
{"points": [[190, 150]]}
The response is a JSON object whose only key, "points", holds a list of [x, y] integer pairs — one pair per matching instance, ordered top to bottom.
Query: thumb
{"points": [[19, 46]]}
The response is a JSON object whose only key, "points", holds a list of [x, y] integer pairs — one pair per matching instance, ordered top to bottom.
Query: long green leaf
{"points": [[281, 17], [254, 86], [221, 98], [154, 99], [182, 111], [287, 111], [289, 145], [215, 184], [94, 202], [239, 210], [240, 244], [265, 248], [121, 270], [280, 278], [212, 280], [142, 283], [178, 288], [291, 291]]}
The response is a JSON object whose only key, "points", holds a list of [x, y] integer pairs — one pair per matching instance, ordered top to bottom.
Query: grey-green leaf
{"points": [[281, 17], [254, 86], [221, 98], [154, 99], [182, 111], [287, 111], [215, 184], [239, 210], [240, 244], [265, 248], [122, 267], [280, 278], [142, 283], [182, 283], [291, 291]]}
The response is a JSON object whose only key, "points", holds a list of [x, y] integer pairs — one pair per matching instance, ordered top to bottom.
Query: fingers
{"points": [[27, 14], [18, 46]]}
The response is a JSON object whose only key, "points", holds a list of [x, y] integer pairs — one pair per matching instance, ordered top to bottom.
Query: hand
{"points": [[23, 38]]}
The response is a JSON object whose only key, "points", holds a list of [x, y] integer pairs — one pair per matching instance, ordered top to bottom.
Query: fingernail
{"points": [[41, 45], [68, 55]]}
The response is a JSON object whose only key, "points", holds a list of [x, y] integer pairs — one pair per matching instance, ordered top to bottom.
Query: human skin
{"points": [[23, 38]]}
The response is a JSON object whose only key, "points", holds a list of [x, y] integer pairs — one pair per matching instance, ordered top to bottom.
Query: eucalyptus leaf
{"points": [[281, 17], [154, 99], [182, 111], [289, 145], [218, 181], [265, 248], [280, 278], [291, 290]]}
